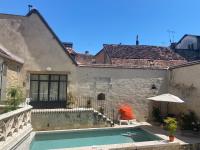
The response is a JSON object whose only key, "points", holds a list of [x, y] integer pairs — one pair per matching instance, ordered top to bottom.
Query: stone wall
{"points": [[11, 76], [184, 83], [131, 86], [59, 119]]}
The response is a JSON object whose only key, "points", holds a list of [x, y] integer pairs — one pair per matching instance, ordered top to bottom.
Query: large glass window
{"points": [[48, 87], [34, 90], [53, 91]]}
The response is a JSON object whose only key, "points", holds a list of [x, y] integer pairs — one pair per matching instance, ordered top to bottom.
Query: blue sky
{"points": [[91, 23]]}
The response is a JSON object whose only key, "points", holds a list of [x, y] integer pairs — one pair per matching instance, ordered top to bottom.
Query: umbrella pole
{"points": [[167, 108], [160, 109]]}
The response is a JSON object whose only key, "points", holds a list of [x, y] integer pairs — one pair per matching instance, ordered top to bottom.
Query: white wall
{"points": [[184, 82], [122, 86]]}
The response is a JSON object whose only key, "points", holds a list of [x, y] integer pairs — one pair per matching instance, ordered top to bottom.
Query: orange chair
{"points": [[126, 114]]}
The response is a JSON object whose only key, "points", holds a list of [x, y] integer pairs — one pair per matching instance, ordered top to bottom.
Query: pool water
{"points": [[90, 137]]}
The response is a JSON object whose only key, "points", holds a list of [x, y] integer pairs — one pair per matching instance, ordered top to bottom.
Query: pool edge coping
{"points": [[157, 143]]}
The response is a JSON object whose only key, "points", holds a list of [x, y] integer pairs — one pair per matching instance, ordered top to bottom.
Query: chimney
{"points": [[30, 7], [137, 41], [68, 44], [173, 46]]}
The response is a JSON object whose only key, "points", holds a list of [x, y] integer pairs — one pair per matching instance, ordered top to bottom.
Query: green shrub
{"points": [[14, 98], [70, 99], [157, 114], [186, 120], [171, 125]]}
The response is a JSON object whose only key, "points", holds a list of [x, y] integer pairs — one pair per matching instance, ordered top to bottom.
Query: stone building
{"points": [[48, 71]]}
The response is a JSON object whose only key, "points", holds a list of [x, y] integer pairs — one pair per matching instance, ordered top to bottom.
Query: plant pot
{"points": [[70, 106], [171, 138]]}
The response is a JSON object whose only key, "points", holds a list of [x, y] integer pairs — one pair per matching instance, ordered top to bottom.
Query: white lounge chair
{"points": [[127, 122]]}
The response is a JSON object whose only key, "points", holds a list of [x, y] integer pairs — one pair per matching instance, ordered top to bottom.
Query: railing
{"points": [[48, 104], [105, 107], [14, 121]]}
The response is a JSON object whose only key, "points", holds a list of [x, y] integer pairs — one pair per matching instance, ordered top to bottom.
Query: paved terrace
{"points": [[188, 141]]}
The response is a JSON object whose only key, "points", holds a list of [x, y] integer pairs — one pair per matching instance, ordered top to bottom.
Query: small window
{"points": [[192, 46], [153, 87], [101, 96]]}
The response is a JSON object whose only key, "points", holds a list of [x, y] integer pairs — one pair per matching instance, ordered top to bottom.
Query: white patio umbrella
{"points": [[166, 98], [169, 98]]}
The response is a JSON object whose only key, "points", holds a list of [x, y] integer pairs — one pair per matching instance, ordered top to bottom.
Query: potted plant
{"points": [[89, 103], [171, 126]]}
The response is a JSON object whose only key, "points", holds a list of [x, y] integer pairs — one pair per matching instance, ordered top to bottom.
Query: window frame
{"points": [[49, 81]]}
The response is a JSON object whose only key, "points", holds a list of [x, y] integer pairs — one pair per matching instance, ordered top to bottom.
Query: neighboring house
{"points": [[188, 47], [138, 56], [79, 57], [85, 59], [10, 68], [47, 73]]}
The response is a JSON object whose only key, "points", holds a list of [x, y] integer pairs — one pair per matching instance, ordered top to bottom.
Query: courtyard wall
{"points": [[184, 83], [122, 85]]}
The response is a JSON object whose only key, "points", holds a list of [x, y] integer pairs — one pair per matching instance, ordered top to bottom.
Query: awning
{"points": [[166, 98]]}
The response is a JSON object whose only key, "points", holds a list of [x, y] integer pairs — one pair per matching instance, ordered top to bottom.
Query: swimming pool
{"points": [[71, 139]]}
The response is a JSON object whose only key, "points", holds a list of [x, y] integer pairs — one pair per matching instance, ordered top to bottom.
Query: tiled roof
{"points": [[140, 52], [80, 58], [84, 58], [146, 63], [185, 64], [120, 67]]}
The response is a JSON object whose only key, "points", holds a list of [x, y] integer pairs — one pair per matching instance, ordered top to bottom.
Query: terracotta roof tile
{"points": [[141, 52], [84, 58]]}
